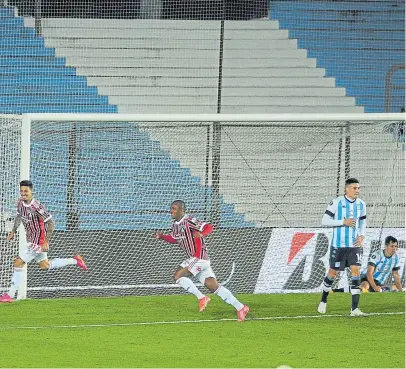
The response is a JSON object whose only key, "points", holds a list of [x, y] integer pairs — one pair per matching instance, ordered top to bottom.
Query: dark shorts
{"points": [[341, 258], [364, 279]]}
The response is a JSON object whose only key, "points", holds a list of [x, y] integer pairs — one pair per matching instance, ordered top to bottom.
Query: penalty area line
{"points": [[74, 326]]}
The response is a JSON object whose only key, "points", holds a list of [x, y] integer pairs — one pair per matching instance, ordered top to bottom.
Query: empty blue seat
{"points": [[345, 6], [6, 12], [338, 15], [12, 22], [323, 25], [17, 32], [348, 34], [21, 42], [349, 44], [9, 50], [360, 55], [31, 62], [47, 70], [353, 72], [44, 80], [56, 89], [53, 99], [6, 109]]}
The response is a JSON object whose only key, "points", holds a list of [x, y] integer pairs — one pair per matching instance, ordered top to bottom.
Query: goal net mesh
{"points": [[10, 150], [263, 185]]}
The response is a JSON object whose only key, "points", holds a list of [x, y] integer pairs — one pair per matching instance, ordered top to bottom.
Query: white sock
{"points": [[60, 263], [16, 279], [189, 286], [228, 297]]}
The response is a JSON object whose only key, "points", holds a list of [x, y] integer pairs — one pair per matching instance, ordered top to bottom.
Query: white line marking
{"points": [[191, 321]]}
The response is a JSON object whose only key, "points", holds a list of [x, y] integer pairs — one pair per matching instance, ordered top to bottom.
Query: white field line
{"points": [[190, 321]]}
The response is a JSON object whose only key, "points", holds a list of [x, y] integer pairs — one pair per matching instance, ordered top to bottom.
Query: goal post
{"points": [[116, 117], [24, 174], [263, 180]]}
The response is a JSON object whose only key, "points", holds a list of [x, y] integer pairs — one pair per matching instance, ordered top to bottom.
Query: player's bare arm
{"points": [[17, 222], [51, 227], [370, 278], [398, 282]]}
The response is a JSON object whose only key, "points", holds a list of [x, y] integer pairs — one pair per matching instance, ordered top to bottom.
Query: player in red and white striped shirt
{"points": [[39, 226], [189, 233]]}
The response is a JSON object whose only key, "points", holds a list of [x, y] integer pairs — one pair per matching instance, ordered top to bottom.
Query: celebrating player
{"points": [[347, 214], [39, 226], [189, 233], [380, 265]]}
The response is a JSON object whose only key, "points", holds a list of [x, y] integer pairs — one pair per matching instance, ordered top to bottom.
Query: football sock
{"points": [[60, 263], [16, 279], [189, 286], [326, 288], [355, 292], [228, 297]]}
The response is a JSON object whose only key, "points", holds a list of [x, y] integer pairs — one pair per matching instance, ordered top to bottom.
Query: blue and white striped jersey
{"points": [[340, 209], [383, 265]]}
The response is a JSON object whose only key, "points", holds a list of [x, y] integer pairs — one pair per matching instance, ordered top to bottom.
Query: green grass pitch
{"points": [[281, 330]]}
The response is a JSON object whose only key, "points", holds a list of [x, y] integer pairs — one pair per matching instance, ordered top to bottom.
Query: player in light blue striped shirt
{"points": [[340, 209], [347, 215], [381, 265]]}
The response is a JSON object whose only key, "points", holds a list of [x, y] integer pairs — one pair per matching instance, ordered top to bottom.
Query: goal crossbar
{"points": [[67, 117]]}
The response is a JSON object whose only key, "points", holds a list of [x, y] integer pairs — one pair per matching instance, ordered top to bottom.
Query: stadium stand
{"points": [[356, 42], [143, 65], [172, 66]]}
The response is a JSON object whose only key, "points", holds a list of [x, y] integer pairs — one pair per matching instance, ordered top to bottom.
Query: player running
{"points": [[39, 226], [189, 233]]}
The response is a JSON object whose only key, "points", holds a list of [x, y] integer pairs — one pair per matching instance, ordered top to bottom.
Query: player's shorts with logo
{"points": [[33, 252], [343, 257], [200, 268]]}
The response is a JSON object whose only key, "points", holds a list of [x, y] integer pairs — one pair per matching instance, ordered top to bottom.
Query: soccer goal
{"points": [[263, 181]]}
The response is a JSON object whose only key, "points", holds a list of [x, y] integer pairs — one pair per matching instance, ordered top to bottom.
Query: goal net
{"points": [[263, 181]]}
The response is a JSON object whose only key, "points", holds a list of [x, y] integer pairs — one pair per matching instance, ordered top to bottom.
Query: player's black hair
{"points": [[351, 181], [26, 183], [179, 203], [390, 239]]}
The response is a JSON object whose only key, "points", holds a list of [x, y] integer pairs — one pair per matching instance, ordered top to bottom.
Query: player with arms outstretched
{"points": [[347, 214], [38, 224], [189, 233], [381, 265]]}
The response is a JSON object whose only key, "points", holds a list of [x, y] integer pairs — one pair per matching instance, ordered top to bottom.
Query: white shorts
{"points": [[33, 253], [200, 268]]}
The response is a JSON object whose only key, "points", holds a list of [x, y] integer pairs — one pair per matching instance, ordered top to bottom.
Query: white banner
{"points": [[296, 259]]}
